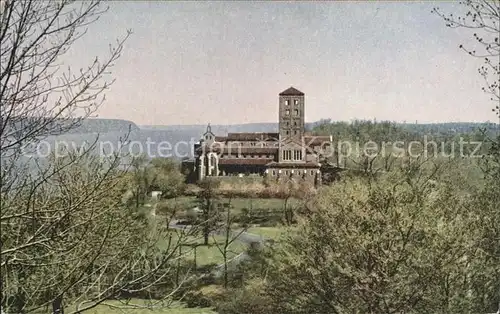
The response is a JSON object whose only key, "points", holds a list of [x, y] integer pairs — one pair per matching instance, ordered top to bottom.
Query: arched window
{"points": [[213, 162]]}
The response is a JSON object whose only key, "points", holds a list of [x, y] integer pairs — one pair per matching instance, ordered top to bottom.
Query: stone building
{"points": [[290, 154]]}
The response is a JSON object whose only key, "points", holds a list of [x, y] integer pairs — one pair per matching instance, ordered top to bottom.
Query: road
{"points": [[245, 237]]}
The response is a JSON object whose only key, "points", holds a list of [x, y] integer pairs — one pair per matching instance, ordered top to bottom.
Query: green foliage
{"points": [[484, 17], [361, 130], [364, 130], [385, 133], [158, 174], [167, 177], [208, 200], [72, 236], [401, 244], [250, 299], [139, 306]]}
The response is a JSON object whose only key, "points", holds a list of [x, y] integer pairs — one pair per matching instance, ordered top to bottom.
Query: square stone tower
{"points": [[291, 114], [291, 126]]}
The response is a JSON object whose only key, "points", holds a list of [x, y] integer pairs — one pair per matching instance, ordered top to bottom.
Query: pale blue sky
{"points": [[226, 62]]}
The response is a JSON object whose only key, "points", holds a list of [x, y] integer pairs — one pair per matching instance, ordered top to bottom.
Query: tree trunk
{"points": [[137, 199], [285, 210], [206, 227], [206, 233], [195, 263], [178, 266], [225, 270], [20, 295], [57, 306]]}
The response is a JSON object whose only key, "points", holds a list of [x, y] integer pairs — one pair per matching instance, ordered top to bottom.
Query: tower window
{"points": [[287, 102], [295, 102], [287, 112], [296, 112], [287, 132], [295, 132], [287, 155]]}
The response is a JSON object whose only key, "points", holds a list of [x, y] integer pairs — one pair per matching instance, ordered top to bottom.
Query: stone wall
{"points": [[285, 174]]}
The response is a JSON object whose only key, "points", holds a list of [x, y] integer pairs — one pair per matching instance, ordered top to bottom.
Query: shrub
{"points": [[246, 300]]}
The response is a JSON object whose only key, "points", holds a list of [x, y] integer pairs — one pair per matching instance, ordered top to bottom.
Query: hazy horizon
{"points": [[225, 63], [271, 122]]}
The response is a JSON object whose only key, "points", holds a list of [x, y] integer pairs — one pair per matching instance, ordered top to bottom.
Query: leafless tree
{"points": [[482, 16], [39, 98], [287, 191], [207, 198], [66, 238], [72, 238], [229, 238]]}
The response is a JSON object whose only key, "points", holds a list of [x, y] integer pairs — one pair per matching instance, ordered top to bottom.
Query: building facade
{"points": [[289, 154]]}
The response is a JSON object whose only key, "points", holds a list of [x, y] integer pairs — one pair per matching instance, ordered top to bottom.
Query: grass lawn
{"points": [[182, 202], [187, 202], [262, 203], [269, 232], [206, 255], [119, 307]]}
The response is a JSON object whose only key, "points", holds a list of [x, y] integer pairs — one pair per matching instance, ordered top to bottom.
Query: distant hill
{"points": [[56, 126], [104, 126], [218, 129], [221, 129]]}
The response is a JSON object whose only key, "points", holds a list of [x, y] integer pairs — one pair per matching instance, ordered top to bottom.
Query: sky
{"points": [[226, 62]]}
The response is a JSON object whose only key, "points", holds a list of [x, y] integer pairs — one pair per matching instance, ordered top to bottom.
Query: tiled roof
{"points": [[291, 92], [258, 136], [220, 138], [291, 140], [228, 149], [250, 150], [241, 161], [293, 165]]}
